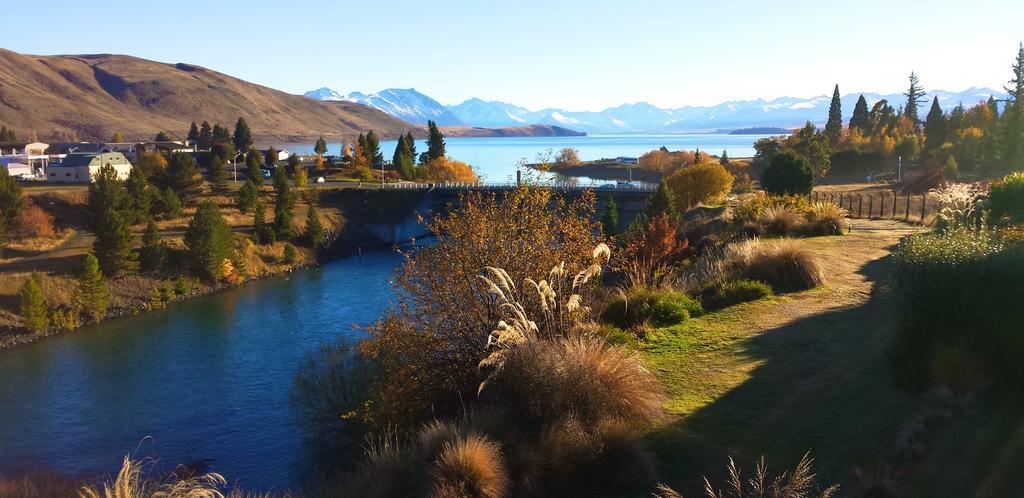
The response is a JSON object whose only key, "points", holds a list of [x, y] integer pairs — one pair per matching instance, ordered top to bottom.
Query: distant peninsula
{"points": [[761, 130], [512, 131]]}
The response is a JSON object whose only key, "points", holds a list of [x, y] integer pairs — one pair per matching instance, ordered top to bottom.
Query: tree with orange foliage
{"points": [[446, 169], [704, 183], [651, 254]]}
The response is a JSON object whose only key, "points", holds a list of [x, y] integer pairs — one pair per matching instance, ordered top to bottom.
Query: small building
{"points": [[165, 147], [129, 149], [282, 155], [25, 159], [627, 160], [16, 167], [82, 167]]}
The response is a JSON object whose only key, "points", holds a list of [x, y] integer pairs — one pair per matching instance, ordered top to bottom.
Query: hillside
{"points": [[89, 97], [511, 131]]}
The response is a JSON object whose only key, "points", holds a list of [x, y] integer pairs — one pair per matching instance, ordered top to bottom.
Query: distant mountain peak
{"points": [[406, 104]]}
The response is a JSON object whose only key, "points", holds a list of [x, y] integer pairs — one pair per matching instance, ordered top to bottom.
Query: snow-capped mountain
{"points": [[403, 103], [786, 112]]}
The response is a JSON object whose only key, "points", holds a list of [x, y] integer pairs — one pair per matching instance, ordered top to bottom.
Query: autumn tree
{"points": [[859, 120], [834, 125], [117, 138], [242, 138], [435, 142], [567, 157], [446, 169], [300, 177], [705, 183], [208, 239], [93, 294], [32, 305]]}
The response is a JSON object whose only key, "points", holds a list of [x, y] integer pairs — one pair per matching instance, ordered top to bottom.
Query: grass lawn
{"points": [[781, 376]]}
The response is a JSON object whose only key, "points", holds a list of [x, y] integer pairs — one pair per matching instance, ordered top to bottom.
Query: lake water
{"points": [[495, 159], [204, 380]]}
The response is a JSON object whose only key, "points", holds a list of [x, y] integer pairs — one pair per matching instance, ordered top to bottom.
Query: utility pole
{"points": [[899, 168]]}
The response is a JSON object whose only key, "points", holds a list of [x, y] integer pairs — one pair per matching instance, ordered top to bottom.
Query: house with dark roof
{"points": [[82, 167]]}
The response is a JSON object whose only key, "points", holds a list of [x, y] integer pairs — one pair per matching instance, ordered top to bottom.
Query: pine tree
{"points": [[915, 97], [993, 105], [1013, 115], [859, 120], [834, 125], [934, 127], [193, 134], [7, 135], [221, 135], [162, 137], [117, 138], [242, 138], [205, 141], [411, 142], [435, 143], [321, 146], [372, 151], [272, 154], [696, 157], [403, 158], [724, 160], [254, 166], [217, 174], [183, 177], [248, 194], [140, 195], [12, 200], [662, 201], [283, 203], [108, 215], [610, 217], [314, 228], [262, 232], [3, 235], [208, 240], [153, 250], [290, 255], [93, 294], [32, 305]]}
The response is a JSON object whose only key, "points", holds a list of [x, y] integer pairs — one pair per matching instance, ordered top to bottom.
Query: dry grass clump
{"points": [[825, 218], [780, 220], [785, 263], [469, 466], [130, 483], [800, 483], [37, 485]]}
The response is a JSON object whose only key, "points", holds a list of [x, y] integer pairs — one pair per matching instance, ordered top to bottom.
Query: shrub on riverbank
{"points": [[1006, 199], [785, 263], [740, 291], [658, 307]]}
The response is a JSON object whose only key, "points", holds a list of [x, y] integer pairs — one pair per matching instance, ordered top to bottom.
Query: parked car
{"points": [[266, 173], [320, 179], [624, 185]]}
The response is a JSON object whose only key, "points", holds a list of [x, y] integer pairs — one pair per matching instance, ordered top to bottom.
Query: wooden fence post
{"points": [[895, 201], [860, 205], [924, 205], [871, 206], [881, 211], [906, 215]]}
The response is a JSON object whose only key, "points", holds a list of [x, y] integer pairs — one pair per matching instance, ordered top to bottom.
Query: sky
{"points": [[575, 55]]}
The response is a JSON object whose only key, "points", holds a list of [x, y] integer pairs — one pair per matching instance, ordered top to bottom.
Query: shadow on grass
{"points": [[823, 385]]}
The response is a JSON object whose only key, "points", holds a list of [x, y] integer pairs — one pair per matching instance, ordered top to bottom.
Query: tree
{"points": [[915, 97], [1013, 115], [859, 120], [834, 125], [934, 127], [193, 134], [7, 135], [221, 135], [162, 137], [117, 138], [242, 138], [205, 140], [435, 142], [412, 144], [321, 146], [764, 150], [272, 154], [373, 154], [567, 157], [696, 157], [403, 159], [724, 160], [254, 166], [446, 169], [217, 174], [788, 174], [183, 177], [300, 177], [705, 183], [248, 194], [140, 195], [12, 201], [284, 201], [662, 201], [109, 217], [610, 217], [314, 228], [262, 232], [208, 239], [153, 250], [290, 255], [93, 294], [32, 305]]}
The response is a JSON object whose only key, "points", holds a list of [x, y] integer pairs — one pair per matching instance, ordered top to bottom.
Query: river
{"points": [[204, 380]]}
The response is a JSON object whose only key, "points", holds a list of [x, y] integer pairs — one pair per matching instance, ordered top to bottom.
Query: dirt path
{"points": [[779, 377]]}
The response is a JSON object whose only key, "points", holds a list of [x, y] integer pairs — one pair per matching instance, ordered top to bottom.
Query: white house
{"points": [[129, 149], [30, 160], [82, 167]]}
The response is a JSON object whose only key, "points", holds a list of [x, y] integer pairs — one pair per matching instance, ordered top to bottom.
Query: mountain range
{"points": [[786, 112]]}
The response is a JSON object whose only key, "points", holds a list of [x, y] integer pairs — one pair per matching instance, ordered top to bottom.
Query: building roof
{"points": [[79, 159]]}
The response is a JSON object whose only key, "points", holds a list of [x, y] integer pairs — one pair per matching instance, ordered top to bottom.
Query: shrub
{"points": [[445, 169], [788, 173], [704, 183], [1006, 198], [754, 207], [825, 218], [780, 220], [33, 221], [651, 253], [784, 264], [741, 291], [657, 307], [959, 315], [469, 467], [130, 483], [799, 483]]}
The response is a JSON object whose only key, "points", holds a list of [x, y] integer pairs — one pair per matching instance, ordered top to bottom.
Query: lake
{"points": [[495, 159]]}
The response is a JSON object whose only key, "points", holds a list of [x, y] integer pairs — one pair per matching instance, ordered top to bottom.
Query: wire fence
{"points": [[609, 187], [917, 208]]}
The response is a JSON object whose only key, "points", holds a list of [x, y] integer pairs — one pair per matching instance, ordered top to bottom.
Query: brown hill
{"points": [[89, 97]]}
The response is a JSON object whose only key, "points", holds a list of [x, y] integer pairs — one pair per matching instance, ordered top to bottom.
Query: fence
{"points": [[610, 187], [919, 208]]}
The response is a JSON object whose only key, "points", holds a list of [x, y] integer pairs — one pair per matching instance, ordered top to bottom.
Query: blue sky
{"points": [[579, 55]]}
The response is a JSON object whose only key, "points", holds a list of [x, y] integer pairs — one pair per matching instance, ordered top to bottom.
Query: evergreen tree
{"points": [[915, 97], [993, 105], [1013, 115], [859, 120], [956, 120], [834, 125], [934, 127], [193, 134], [7, 135], [221, 135], [162, 137], [117, 138], [242, 138], [205, 141], [411, 142], [435, 143], [321, 146], [372, 151], [272, 154], [696, 157], [403, 159], [724, 160], [254, 166], [217, 174], [788, 174], [183, 177], [300, 177], [248, 194], [140, 195], [12, 201], [284, 201], [662, 201], [109, 217], [610, 217], [314, 229], [262, 232], [3, 235], [208, 240], [153, 250], [290, 256], [93, 294], [32, 305]]}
